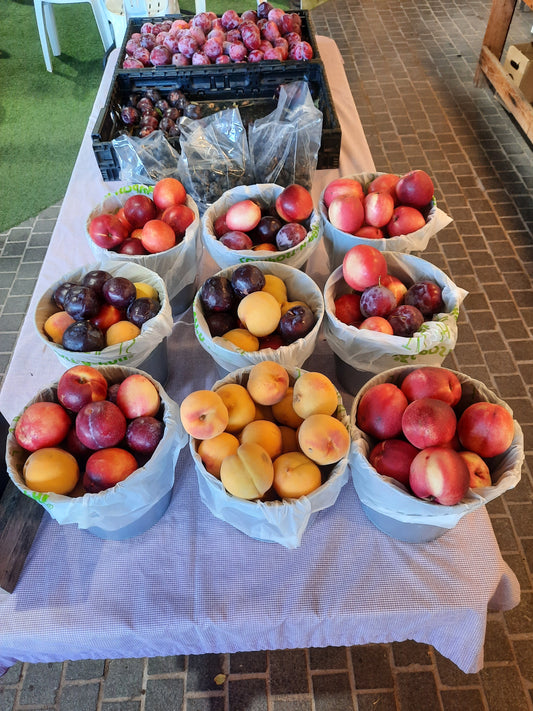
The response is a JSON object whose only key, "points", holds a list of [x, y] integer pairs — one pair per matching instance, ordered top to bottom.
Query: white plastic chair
{"points": [[120, 11], [46, 25]]}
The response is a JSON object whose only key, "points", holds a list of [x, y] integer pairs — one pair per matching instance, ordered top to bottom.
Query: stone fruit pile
{"points": [[267, 33], [150, 110], [389, 206], [145, 224], [275, 228], [380, 301], [251, 309], [102, 310], [93, 435], [426, 437], [268, 439]]}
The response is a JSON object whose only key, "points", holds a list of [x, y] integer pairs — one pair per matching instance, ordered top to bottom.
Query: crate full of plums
{"points": [[261, 36], [138, 103]]}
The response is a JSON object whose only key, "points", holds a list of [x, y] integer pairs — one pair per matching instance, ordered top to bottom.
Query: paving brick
{"points": [[410, 652], [328, 658], [251, 662], [166, 665], [371, 666], [85, 669], [202, 670], [288, 672], [123, 678], [41, 683], [503, 688], [417, 690], [332, 692], [164, 694], [247, 695], [82, 697], [461, 699], [376, 701], [206, 703], [292, 705]]}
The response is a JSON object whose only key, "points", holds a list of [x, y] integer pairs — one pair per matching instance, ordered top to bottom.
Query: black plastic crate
{"points": [[135, 24], [254, 93]]}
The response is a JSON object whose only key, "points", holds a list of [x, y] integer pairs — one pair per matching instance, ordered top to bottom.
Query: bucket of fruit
{"points": [[390, 212], [262, 223], [155, 226], [387, 308], [258, 311], [105, 315], [270, 445], [430, 445], [98, 449]]}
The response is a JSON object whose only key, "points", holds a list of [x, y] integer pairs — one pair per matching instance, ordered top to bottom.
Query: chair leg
{"points": [[39, 16], [102, 23], [51, 29]]}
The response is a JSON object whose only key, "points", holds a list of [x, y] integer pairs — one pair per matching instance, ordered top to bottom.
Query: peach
{"points": [[342, 186], [168, 192], [346, 213], [243, 215], [157, 236], [275, 286], [397, 287], [144, 290], [286, 305], [259, 312], [107, 316], [56, 324], [378, 324], [120, 332], [242, 338], [432, 381], [268, 382], [79, 385], [314, 393], [137, 396], [239, 404], [380, 410], [284, 411], [263, 412], [203, 414], [428, 422], [42, 424], [486, 428], [265, 433], [289, 439], [324, 439], [213, 451], [393, 457], [108, 467], [51, 469], [478, 469], [248, 473], [439, 474], [295, 475]]}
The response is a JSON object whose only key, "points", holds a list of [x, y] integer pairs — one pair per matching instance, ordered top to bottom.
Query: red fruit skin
{"points": [[415, 188], [405, 220], [363, 266], [426, 296], [348, 309], [434, 382], [380, 410], [429, 422], [42, 424], [100, 425], [486, 428], [393, 457], [439, 474]]}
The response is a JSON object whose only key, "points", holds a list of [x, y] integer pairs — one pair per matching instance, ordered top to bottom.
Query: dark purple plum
{"points": [[129, 115], [266, 230], [96, 279], [246, 279], [119, 291], [60, 292], [217, 294], [426, 296], [377, 300], [82, 302], [142, 310], [405, 320], [220, 322], [296, 323], [83, 336], [143, 434]]}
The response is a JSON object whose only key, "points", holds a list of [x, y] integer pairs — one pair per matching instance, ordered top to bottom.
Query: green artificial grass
{"points": [[43, 115]]}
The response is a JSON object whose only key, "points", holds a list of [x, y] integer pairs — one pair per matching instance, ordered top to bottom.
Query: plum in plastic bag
{"points": [[284, 145], [145, 160]]}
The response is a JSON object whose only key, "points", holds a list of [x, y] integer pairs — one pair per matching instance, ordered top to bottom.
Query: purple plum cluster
{"points": [[267, 33]]}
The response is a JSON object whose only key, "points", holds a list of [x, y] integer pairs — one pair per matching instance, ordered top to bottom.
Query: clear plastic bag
{"points": [[284, 145], [214, 156], [145, 160]]}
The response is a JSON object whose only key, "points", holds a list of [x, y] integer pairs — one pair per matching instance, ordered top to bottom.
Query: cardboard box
{"points": [[518, 66]]}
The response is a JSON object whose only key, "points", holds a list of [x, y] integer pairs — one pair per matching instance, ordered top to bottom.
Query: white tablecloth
{"points": [[193, 584]]}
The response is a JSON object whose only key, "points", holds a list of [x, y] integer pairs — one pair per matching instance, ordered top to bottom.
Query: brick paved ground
{"points": [[410, 65]]}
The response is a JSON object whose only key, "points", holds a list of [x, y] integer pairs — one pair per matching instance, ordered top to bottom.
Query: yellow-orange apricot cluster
{"points": [[266, 438]]}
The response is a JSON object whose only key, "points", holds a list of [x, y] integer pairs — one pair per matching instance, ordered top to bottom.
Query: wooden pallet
{"points": [[20, 518]]}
